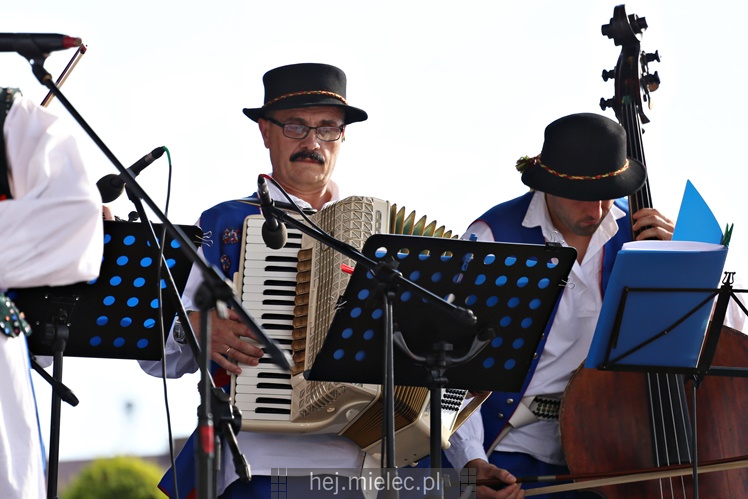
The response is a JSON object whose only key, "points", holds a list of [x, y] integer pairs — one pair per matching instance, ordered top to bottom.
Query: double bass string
{"points": [[629, 117], [665, 392], [670, 421]]}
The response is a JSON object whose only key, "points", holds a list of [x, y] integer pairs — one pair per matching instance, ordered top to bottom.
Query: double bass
{"points": [[629, 422]]}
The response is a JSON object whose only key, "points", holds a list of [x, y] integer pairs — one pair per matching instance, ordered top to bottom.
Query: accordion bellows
{"points": [[320, 280]]}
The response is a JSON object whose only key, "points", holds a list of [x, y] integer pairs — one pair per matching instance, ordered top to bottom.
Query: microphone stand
{"points": [[389, 278], [215, 292], [55, 333], [228, 415]]}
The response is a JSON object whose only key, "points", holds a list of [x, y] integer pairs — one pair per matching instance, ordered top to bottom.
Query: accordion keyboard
{"points": [[268, 294]]}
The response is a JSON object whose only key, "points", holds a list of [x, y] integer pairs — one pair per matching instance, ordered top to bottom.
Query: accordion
{"points": [[292, 294]]}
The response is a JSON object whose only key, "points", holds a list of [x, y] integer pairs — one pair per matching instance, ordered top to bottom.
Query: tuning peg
{"points": [[638, 24], [608, 29], [615, 29], [652, 57], [609, 74], [651, 82], [606, 103]]}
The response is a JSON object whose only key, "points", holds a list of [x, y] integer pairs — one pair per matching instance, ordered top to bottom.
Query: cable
{"points": [[162, 329]]}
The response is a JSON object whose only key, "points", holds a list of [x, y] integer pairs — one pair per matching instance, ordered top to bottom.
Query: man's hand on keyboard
{"points": [[228, 341]]}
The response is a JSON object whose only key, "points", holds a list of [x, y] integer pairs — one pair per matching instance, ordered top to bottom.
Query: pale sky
{"points": [[455, 91]]}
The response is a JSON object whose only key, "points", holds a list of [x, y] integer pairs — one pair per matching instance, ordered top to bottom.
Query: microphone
{"points": [[30, 44], [112, 186], [274, 232]]}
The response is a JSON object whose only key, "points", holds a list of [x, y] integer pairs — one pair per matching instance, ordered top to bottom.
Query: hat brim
{"points": [[352, 114], [614, 187]]}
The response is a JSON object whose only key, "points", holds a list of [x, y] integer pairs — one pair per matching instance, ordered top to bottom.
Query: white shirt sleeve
{"points": [[52, 228], [480, 230], [177, 356], [178, 360], [466, 443]]}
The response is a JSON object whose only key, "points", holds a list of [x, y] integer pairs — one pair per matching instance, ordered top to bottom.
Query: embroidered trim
{"points": [[308, 92], [526, 162], [12, 322], [545, 409]]}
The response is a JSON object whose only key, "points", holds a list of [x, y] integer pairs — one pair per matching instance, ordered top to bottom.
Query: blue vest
{"points": [[505, 221], [222, 227]]}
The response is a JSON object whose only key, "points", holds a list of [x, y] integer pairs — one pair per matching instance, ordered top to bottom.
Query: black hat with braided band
{"points": [[305, 85], [583, 158]]}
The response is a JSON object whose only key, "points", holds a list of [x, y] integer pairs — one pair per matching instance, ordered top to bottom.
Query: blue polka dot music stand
{"points": [[511, 289], [115, 315]]}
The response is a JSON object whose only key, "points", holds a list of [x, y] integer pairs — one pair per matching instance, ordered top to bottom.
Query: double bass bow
{"points": [[65, 73], [612, 421]]}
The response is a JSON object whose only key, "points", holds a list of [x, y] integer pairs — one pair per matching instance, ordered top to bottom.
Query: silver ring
{"points": [[227, 351]]}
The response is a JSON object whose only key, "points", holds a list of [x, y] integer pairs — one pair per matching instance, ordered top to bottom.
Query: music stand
{"points": [[512, 289], [114, 316], [675, 334]]}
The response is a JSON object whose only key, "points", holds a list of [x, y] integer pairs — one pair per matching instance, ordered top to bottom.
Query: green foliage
{"points": [[114, 478]]}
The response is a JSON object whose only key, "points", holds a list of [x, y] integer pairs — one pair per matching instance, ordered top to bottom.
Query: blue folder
{"points": [[662, 282]]}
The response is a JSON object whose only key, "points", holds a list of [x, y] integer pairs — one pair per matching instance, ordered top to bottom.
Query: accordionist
{"points": [[303, 123]]}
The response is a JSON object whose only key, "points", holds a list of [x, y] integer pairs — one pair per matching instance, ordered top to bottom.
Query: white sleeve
{"points": [[52, 228], [480, 230], [734, 316], [178, 357], [466, 443]]}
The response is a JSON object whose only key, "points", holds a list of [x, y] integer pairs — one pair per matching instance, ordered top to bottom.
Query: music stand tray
{"points": [[511, 289], [116, 315]]}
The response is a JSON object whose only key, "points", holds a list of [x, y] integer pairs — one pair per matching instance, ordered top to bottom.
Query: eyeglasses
{"points": [[298, 132]]}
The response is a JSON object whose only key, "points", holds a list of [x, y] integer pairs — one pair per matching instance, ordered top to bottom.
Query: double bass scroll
{"points": [[633, 87]]}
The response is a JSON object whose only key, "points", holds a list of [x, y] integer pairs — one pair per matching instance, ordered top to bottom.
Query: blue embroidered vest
{"points": [[505, 221]]}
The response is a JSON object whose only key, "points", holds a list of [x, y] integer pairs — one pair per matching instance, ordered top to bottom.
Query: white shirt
{"points": [[55, 215], [52, 235], [568, 342], [263, 451]]}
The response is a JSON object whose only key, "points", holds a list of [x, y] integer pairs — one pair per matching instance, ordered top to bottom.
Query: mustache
{"points": [[313, 155]]}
